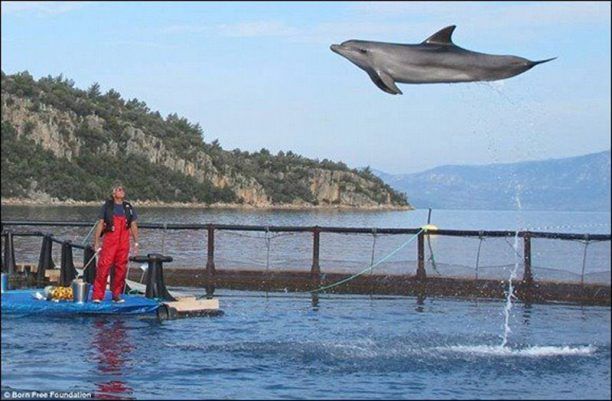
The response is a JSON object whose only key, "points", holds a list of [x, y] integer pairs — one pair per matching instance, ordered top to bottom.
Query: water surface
{"points": [[272, 346]]}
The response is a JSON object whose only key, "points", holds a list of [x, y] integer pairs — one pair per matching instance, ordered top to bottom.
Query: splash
{"points": [[510, 294], [535, 351]]}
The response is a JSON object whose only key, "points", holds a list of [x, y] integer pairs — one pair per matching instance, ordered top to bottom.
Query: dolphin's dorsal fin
{"points": [[442, 37]]}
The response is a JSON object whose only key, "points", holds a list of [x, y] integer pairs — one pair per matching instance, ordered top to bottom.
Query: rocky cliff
{"points": [[73, 130]]}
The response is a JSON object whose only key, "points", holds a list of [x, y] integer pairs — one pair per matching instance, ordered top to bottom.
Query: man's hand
{"points": [[135, 249]]}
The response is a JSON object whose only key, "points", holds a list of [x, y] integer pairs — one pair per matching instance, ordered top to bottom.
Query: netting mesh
{"points": [[187, 247], [275, 251], [351, 253], [472, 257], [572, 261]]}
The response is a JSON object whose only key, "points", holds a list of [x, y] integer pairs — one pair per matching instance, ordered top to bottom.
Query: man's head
{"points": [[118, 193]]}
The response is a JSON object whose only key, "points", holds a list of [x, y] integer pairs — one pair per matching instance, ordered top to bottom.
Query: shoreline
{"points": [[196, 205]]}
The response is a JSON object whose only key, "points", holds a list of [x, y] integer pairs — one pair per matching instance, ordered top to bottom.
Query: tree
{"points": [[94, 91], [113, 95]]}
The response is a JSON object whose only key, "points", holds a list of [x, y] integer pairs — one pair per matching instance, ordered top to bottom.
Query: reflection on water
{"points": [[527, 310], [113, 349]]}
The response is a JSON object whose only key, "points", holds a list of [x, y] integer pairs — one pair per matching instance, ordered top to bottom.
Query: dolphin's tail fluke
{"points": [[542, 61]]}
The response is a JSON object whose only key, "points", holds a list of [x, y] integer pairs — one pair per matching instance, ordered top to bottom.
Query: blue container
{"points": [[4, 283]]}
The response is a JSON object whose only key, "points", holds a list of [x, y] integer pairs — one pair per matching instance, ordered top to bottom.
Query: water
{"points": [[572, 222], [510, 296], [275, 345], [346, 347]]}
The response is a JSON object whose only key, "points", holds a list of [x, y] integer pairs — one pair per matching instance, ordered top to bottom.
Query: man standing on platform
{"points": [[117, 220]]}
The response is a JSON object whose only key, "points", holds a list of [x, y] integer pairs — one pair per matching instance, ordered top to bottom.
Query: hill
{"points": [[62, 142], [575, 183]]}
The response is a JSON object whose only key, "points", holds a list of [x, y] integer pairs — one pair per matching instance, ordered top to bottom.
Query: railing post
{"points": [[210, 261], [315, 270], [420, 273], [527, 274]]}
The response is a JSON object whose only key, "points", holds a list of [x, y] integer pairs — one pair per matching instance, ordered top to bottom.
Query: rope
{"points": [[543, 228], [89, 233], [259, 236], [480, 236], [164, 238], [268, 239], [586, 245], [373, 247], [516, 252], [431, 256], [372, 260], [354, 276]]}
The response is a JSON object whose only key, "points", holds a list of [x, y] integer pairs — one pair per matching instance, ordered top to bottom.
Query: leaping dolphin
{"points": [[436, 60]]}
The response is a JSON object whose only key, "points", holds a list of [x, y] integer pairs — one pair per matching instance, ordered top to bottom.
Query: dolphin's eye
{"points": [[363, 51]]}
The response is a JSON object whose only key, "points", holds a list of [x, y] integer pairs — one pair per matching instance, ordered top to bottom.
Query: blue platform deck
{"points": [[24, 302]]}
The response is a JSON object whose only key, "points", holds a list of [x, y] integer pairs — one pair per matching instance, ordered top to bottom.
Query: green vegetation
{"points": [[26, 166]]}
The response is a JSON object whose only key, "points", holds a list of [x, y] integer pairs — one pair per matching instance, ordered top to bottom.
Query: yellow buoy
{"points": [[429, 227]]}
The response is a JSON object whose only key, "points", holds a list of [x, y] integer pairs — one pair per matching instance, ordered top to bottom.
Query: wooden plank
{"points": [[190, 304]]}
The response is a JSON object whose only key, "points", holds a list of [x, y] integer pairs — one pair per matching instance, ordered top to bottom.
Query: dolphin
{"points": [[435, 60]]}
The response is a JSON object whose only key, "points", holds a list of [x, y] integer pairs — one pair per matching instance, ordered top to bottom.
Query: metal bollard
{"points": [[9, 254], [89, 256], [45, 261], [67, 270], [156, 288]]}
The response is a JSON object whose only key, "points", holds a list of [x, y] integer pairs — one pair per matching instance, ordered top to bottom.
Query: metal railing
{"points": [[315, 269]]}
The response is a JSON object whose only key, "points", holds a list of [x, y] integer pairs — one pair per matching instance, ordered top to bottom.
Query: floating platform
{"points": [[25, 302], [189, 307]]}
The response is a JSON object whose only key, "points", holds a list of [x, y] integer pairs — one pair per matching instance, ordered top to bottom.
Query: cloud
{"points": [[45, 8], [257, 28], [239, 29]]}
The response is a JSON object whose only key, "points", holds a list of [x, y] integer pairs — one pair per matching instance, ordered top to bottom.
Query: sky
{"points": [[261, 75]]}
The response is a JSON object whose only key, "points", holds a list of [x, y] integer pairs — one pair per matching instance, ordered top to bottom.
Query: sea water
{"points": [[277, 345], [271, 346]]}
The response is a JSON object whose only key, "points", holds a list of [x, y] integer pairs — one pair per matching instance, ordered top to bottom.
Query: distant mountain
{"points": [[575, 183]]}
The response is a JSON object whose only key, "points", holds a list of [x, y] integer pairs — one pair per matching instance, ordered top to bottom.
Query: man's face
{"points": [[119, 193]]}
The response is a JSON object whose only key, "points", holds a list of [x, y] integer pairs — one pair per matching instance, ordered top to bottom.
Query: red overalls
{"points": [[115, 251]]}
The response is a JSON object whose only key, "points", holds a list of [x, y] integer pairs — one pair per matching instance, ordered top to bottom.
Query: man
{"points": [[117, 220]]}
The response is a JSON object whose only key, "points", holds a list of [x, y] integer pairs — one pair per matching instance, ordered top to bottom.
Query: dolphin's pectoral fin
{"points": [[443, 37], [384, 82]]}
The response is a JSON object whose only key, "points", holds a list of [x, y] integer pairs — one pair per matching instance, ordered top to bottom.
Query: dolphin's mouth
{"points": [[336, 48]]}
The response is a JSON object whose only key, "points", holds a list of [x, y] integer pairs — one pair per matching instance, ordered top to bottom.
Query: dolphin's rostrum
{"points": [[436, 60]]}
